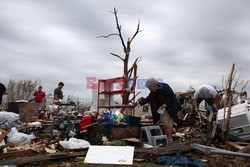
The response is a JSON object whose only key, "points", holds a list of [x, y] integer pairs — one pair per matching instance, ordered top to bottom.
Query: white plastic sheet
{"points": [[10, 116], [7, 119], [18, 138], [74, 143]]}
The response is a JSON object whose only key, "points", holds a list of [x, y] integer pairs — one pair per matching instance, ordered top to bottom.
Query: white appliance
{"points": [[239, 122]]}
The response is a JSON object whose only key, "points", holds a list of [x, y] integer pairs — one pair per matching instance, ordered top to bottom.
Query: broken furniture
{"points": [[154, 135]]}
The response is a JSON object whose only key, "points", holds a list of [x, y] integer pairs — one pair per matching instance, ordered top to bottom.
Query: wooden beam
{"points": [[242, 143], [234, 146], [245, 149], [168, 150], [16, 154], [41, 158]]}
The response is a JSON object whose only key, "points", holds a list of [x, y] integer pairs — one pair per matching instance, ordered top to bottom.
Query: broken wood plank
{"points": [[185, 116], [210, 117], [214, 127], [132, 142], [243, 143], [234, 146], [75, 149], [245, 149], [167, 150], [16, 154], [40, 158], [138, 160]]}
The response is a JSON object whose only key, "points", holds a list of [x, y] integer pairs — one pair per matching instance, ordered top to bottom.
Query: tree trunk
{"points": [[230, 97]]}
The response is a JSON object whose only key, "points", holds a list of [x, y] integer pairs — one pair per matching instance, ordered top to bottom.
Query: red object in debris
{"points": [[86, 120], [36, 140]]}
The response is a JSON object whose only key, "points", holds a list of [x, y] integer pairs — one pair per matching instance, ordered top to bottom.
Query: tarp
{"points": [[180, 159]]}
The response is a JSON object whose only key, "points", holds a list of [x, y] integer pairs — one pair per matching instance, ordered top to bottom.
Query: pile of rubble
{"points": [[69, 135]]}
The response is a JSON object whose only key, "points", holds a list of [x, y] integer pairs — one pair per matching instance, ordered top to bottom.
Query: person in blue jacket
{"points": [[162, 97]]}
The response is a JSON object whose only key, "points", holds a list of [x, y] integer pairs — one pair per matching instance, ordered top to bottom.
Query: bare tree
{"points": [[127, 72], [21, 89]]}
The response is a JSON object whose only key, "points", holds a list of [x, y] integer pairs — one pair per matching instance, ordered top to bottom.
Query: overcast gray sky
{"points": [[185, 42]]}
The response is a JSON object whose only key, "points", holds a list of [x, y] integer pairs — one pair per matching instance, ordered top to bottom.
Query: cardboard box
{"points": [[28, 112]]}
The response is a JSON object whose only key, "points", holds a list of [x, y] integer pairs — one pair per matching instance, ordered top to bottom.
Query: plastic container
{"points": [[113, 121]]}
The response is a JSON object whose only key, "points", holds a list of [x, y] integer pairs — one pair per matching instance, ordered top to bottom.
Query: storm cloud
{"points": [[183, 42]]}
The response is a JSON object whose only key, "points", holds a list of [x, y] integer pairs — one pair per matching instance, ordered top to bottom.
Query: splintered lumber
{"points": [[185, 116], [90, 125], [214, 127], [4, 134], [132, 142], [243, 143], [234, 146], [75, 149], [245, 149], [168, 150], [16, 154], [40, 158], [139, 160]]}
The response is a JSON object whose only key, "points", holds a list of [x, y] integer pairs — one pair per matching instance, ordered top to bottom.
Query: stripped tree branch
{"points": [[119, 28], [137, 31], [107, 36], [117, 56], [131, 68], [130, 71], [135, 77], [238, 78], [239, 83], [244, 86]]}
